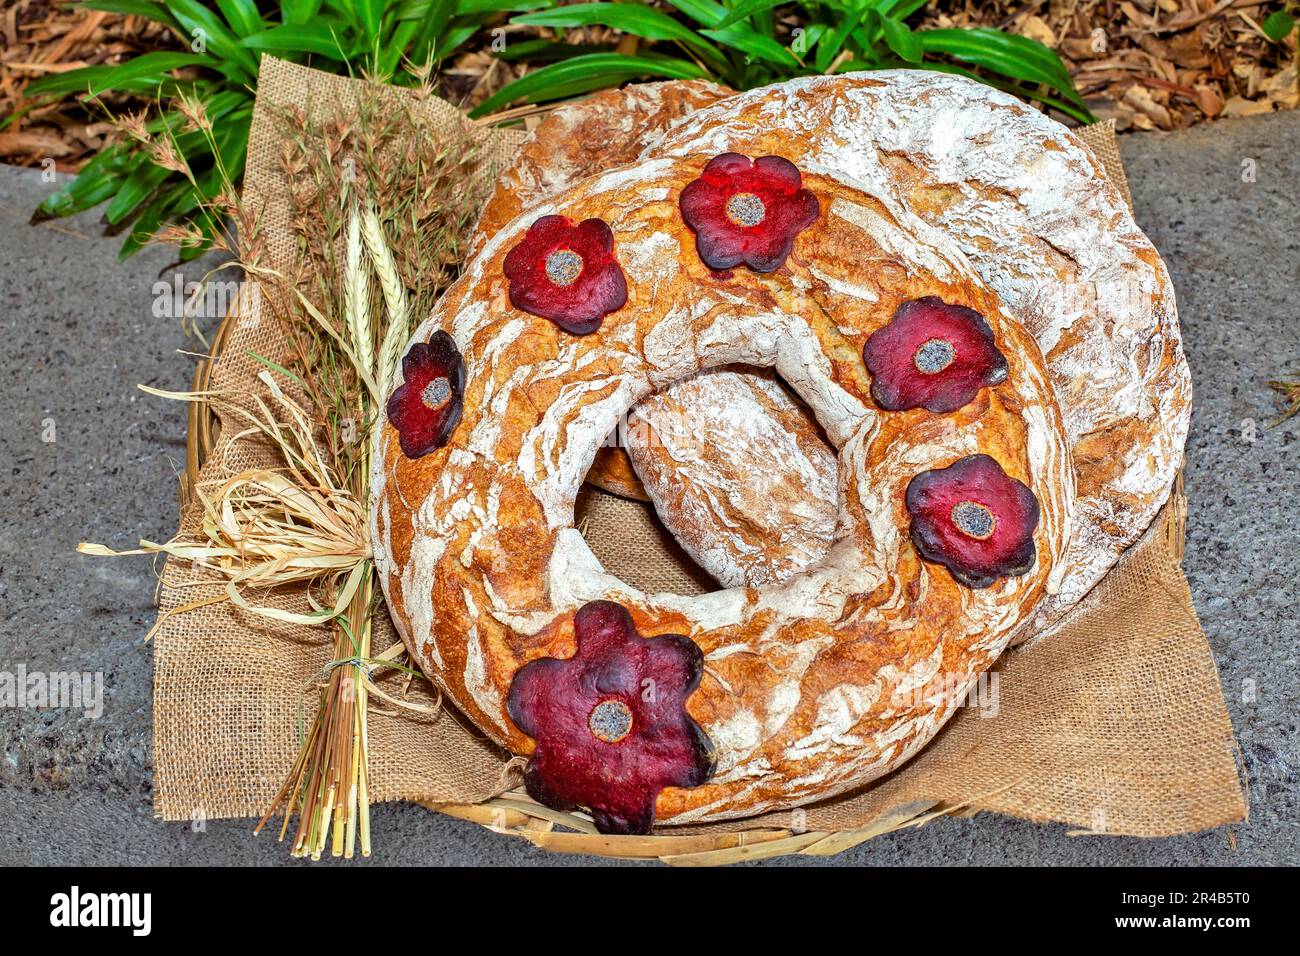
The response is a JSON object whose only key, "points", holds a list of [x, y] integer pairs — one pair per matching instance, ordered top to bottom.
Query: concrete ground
{"points": [[89, 457]]}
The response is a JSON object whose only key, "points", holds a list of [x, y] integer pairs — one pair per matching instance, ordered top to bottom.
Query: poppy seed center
{"points": [[746, 209], [563, 266], [934, 356], [436, 393], [973, 519], [610, 721]]}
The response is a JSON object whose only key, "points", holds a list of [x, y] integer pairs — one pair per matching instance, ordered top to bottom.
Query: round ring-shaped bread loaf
{"points": [[1020, 196], [684, 709]]}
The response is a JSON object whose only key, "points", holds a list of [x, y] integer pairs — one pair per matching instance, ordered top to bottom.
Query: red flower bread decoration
{"points": [[747, 210], [566, 273], [932, 355], [426, 407], [974, 519], [610, 723]]}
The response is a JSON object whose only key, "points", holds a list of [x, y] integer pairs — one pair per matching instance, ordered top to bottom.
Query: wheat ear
{"points": [[390, 283], [356, 297], [394, 298]]}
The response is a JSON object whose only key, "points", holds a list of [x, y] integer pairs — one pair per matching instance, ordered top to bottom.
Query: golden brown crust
{"points": [[604, 130], [594, 134], [1114, 354], [612, 471], [812, 686]]}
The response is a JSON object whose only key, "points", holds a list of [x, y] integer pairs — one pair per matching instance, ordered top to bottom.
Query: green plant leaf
{"points": [[464, 7], [149, 9], [746, 9], [899, 9], [298, 11], [707, 12], [242, 15], [369, 15], [633, 18], [196, 19], [764, 22], [1277, 25], [431, 28], [320, 36], [456, 36], [900, 39], [806, 42], [755, 45], [830, 45], [392, 49], [534, 50], [1032, 51], [1017, 57], [147, 67], [612, 67], [83, 78], [578, 87], [218, 105], [231, 144], [97, 181], [137, 188], [92, 190], [182, 198], [152, 217]]}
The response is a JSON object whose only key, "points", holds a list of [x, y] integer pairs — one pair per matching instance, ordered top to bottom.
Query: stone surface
{"points": [[81, 331]]}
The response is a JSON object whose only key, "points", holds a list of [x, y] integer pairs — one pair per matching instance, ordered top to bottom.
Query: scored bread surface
{"points": [[1028, 205], [811, 685]]}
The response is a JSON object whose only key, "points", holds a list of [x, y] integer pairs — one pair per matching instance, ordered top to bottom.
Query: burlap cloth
{"points": [[1114, 723]]}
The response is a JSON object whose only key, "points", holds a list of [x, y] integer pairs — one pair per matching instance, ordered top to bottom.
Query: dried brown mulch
{"points": [[40, 38], [1150, 64], [1154, 64]]}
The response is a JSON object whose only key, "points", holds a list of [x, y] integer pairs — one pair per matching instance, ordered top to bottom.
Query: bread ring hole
{"points": [[779, 506], [628, 539], [625, 544]]}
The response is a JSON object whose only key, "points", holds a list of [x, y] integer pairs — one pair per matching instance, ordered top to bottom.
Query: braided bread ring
{"points": [[812, 686]]}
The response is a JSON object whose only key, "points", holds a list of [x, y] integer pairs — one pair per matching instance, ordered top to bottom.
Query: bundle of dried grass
{"points": [[380, 205], [1288, 388]]}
